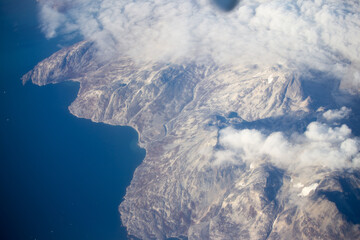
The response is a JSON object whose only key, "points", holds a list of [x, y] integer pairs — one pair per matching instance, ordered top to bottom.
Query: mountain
{"points": [[180, 111]]}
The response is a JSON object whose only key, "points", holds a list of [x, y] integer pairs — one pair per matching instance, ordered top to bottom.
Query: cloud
{"points": [[52, 21], [318, 34], [351, 80], [338, 114], [321, 145]]}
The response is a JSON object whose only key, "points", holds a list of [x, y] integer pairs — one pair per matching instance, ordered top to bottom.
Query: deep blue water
{"points": [[60, 177]]}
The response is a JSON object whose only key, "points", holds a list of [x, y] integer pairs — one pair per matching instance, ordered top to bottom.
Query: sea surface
{"points": [[61, 177]]}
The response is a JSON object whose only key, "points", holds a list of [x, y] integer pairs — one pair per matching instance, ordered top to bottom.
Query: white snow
{"points": [[270, 79], [299, 185], [307, 190]]}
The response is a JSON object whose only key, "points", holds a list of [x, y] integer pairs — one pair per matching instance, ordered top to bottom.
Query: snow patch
{"points": [[270, 79], [299, 185], [307, 190]]}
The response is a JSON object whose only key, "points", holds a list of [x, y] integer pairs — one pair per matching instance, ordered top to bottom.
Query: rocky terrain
{"points": [[180, 189]]}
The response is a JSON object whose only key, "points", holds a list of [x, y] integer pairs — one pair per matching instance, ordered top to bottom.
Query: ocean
{"points": [[61, 177]]}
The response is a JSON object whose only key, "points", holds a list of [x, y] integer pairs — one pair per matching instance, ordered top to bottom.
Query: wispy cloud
{"points": [[320, 34]]}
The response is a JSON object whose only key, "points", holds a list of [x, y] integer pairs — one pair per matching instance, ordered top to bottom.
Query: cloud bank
{"points": [[322, 34], [321, 145]]}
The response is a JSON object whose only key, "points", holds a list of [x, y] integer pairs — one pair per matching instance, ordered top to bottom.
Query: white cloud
{"points": [[52, 20], [320, 34], [351, 80], [338, 114], [321, 145]]}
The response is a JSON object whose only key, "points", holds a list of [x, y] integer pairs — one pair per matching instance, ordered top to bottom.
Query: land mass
{"points": [[178, 111]]}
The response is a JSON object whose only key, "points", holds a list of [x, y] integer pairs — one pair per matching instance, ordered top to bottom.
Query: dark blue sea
{"points": [[61, 178]]}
